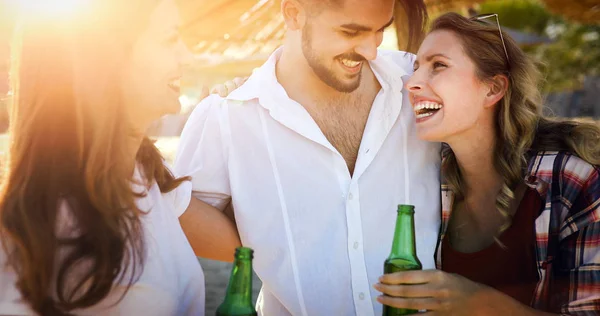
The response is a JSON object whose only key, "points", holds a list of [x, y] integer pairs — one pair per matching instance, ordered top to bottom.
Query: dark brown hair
{"points": [[416, 16], [70, 145]]}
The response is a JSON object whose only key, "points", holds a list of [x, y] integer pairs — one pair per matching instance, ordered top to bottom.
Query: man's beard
{"points": [[327, 75]]}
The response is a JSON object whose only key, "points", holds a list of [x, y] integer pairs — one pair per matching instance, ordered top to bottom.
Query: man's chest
{"points": [[343, 124], [344, 131]]}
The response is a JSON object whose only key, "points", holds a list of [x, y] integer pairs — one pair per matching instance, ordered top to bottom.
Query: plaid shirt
{"points": [[567, 232]]}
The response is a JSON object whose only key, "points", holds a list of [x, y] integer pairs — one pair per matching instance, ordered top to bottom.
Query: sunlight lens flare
{"points": [[49, 7]]}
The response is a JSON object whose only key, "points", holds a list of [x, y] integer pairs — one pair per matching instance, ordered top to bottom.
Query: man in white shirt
{"points": [[314, 153]]}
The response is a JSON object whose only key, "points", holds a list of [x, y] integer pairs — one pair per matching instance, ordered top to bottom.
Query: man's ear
{"points": [[294, 14], [497, 88]]}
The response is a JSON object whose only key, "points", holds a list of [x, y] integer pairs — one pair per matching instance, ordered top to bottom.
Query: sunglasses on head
{"points": [[482, 18]]}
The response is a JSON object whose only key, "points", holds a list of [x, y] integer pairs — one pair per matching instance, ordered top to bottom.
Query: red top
{"points": [[512, 271]]}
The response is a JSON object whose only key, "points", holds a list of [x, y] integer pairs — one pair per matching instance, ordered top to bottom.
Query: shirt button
{"points": [[350, 196], [356, 245], [361, 296]]}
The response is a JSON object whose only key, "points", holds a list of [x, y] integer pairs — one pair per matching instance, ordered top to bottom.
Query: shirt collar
{"points": [[388, 73], [262, 79], [263, 82], [264, 87], [539, 182]]}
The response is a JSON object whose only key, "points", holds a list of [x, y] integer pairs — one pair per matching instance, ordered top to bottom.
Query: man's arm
{"points": [[202, 156], [199, 223]]}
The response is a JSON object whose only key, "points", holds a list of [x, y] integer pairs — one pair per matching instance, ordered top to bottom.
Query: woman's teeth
{"points": [[350, 63], [427, 105], [426, 108], [424, 115]]}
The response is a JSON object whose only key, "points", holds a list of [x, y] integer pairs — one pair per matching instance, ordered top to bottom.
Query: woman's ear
{"points": [[294, 14], [497, 88]]}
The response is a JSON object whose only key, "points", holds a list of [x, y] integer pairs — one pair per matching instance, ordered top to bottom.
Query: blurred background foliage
{"points": [[232, 37], [574, 50]]}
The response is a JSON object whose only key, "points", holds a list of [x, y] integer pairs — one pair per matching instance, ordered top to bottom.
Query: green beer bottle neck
{"points": [[403, 245], [239, 289], [238, 298]]}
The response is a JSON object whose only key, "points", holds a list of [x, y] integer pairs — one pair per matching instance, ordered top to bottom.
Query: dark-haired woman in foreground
{"points": [[521, 195], [88, 214]]}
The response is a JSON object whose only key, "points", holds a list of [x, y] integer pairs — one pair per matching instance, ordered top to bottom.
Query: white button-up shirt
{"points": [[320, 235]]}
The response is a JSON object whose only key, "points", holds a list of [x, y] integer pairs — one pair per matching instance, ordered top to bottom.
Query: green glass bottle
{"points": [[403, 256], [238, 299]]}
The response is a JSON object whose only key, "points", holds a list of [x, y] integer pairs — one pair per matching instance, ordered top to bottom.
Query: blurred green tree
{"points": [[574, 52]]}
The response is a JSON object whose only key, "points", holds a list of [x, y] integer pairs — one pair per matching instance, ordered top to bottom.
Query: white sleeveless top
{"points": [[172, 281]]}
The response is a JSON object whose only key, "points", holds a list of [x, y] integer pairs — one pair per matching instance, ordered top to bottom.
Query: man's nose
{"points": [[368, 47]]}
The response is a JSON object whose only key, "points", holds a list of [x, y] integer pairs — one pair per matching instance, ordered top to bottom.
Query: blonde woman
{"points": [[521, 201], [87, 207]]}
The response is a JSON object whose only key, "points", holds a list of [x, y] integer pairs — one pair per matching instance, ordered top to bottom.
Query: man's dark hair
{"points": [[413, 12], [416, 21]]}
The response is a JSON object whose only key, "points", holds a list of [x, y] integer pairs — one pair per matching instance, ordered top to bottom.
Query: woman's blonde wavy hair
{"points": [[521, 129]]}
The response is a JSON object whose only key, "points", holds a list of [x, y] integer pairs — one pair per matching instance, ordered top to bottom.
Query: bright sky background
{"points": [[50, 7]]}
